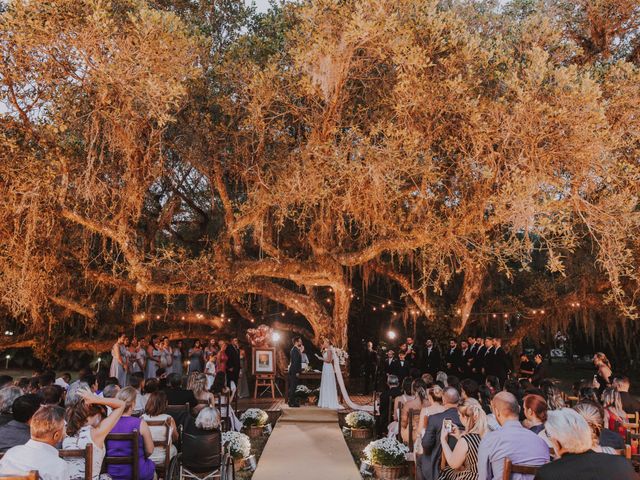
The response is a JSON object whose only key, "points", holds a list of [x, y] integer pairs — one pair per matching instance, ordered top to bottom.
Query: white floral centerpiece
{"points": [[341, 354], [254, 417], [360, 419], [237, 444], [388, 457]]}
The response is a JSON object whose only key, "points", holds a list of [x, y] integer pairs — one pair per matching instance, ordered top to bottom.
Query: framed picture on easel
{"points": [[264, 361]]}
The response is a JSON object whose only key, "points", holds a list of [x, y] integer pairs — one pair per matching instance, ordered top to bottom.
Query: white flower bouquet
{"points": [[341, 354], [302, 392], [254, 417], [359, 419], [237, 444], [386, 452]]}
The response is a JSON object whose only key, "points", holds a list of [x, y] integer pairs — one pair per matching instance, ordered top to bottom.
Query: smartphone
{"points": [[447, 424]]}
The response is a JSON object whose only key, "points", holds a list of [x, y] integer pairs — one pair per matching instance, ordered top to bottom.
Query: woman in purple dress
{"points": [[121, 448]]}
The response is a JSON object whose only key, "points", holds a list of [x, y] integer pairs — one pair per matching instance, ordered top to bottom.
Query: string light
{"points": [[391, 335]]}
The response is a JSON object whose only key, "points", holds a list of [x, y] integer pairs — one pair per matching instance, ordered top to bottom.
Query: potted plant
{"points": [[302, 394], [254, 421], [361, 424], [239, 447], [388, 457]]}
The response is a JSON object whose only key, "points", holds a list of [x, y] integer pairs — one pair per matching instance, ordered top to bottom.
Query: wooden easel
{"points": [[267, 382]]}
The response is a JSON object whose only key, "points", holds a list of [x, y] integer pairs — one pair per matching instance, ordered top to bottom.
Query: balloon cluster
{"points": [[260, 336]]}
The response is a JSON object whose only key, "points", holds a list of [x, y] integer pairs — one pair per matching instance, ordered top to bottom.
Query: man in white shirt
{"points": [[39, 453]]}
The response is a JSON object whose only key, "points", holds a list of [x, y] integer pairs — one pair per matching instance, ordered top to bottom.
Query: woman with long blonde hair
{"points": [[603, 377], [197, 383], [462, 461]]}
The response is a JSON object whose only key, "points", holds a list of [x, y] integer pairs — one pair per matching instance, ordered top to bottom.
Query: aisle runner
{"points": [[307, 443]]}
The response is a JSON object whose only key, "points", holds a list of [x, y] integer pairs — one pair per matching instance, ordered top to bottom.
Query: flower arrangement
{"points": [[341, 354], [302, 392], [254, 417], [359, 419], [237, 444], [386, 452]]}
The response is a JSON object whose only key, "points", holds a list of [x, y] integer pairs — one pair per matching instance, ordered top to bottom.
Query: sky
{"points": [[262, 5]]}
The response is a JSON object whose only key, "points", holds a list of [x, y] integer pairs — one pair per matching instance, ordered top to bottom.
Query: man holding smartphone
{"points": [[432, 448]]}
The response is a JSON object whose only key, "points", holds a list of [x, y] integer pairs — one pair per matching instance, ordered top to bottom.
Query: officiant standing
{"points": [[295, 367]]}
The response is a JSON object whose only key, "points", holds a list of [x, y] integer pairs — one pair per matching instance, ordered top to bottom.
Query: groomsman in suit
{"points": [[473, 346], [412, 353], [487, 357], [430, 358], [452, 358], [466, 359], [501, 361], [389, 362], [233, 363], [295, 367], [400, 367], [476, 367]]}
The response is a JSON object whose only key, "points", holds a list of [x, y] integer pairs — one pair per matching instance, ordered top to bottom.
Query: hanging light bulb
{"points": [[391, 335]]}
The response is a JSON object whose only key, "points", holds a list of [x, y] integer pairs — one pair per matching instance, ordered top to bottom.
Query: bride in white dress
{"points": [[328, 389]]}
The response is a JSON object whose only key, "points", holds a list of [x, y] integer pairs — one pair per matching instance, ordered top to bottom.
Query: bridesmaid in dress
{"points": [[166, 356], [153, 358], [177, 358], [195, 358], [222, 358], [119, 361]]}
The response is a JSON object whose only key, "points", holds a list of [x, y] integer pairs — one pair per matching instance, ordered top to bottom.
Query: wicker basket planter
{"points": [[254, 431], [361, 433], [239, 464], [388, 473]]}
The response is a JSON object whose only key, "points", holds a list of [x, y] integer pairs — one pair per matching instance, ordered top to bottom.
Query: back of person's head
{"points": [[441, 378], [46, 379], [428, 379], [5, 380], [111, 381], [174, 381], [393, 381], [453, 381], [135, 382], [197, 382], [219, 382], [23, 383], [493, 383], [620, 383], [34, 384], [151, 385], [406, 386], [513, 386], [419, 388], [470, 388], [110, 391], [436, 393], [588, 393], [72, 394], [8, 395], [52, 395], [128, 395], [552, 395], [450, 396], [485, 397], [156, 404], [538, 405], [25, 406], [505, 406], [77, 414], [593, 414], [473, 416], [208, 419], [47, 424], [570, 430]]}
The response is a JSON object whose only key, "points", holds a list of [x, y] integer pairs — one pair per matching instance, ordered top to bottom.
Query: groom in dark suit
{"points": [[295, 367], [431, 446]]}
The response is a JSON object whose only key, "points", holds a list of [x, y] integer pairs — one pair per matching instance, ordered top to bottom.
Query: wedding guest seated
{"points": [[428, 379], [441, 379], [5, 381], [136, 381], [197, 383], [493, 383], [23, 384], [220, 388], [469, 389], [588, 394], [8, 395], [52, 395], [176, 395], [552, 395], [485, 398], [386, 401], [417, 403], [630, 404], [434, 406], [156, 411], [535, 412], [593, 414], [614, 415], [87, 423], [206, 423], [394, 427], [17, 432], [571, 438], [512, 441], [431, 445], [123, 448], [39, 453], [462, 461]]}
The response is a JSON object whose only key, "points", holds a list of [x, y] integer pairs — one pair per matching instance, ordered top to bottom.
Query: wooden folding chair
{"points": [[222, 404], [376, 404], [413, 412], [180, 413], [632, 423], [86, 454], [132, 460], [510, 468], [164, 469], [32, 475]]}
